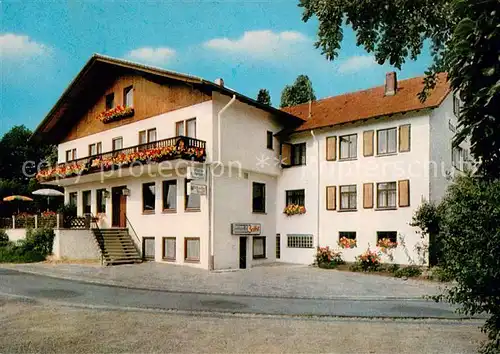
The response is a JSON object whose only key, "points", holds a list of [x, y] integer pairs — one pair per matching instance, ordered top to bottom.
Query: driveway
{"points": [[277, 280]]}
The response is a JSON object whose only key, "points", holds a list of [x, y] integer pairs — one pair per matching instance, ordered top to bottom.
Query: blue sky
{"points": [[251, 44]]}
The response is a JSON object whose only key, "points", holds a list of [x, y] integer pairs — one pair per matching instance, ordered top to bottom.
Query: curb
{"points": [[84, 280]]}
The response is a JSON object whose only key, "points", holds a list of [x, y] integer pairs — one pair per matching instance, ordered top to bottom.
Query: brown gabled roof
{"points": [[366, 104]]}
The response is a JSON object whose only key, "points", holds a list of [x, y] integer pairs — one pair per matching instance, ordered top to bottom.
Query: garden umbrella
{"points": [[48, 193], [17, 197]]}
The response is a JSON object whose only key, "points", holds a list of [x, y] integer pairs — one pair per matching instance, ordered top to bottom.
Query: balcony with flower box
{"points": [[126, 162]]}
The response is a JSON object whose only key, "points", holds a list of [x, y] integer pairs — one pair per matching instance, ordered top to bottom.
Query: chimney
{"points": [[219, 81], [391, 83]]}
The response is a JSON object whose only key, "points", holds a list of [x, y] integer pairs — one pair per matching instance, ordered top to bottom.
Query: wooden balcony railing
{"points": [[180, 147]]}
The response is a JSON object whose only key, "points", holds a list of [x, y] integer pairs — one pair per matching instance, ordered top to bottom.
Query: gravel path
{"points": [[280, 280]]}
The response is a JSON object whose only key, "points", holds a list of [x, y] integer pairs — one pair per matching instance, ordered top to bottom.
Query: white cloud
{"points": [[264, 44], [14, 46], [157, 56], [356, 63]]}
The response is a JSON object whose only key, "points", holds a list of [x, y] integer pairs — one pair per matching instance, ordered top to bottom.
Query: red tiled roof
{"points": [[369, 103]]}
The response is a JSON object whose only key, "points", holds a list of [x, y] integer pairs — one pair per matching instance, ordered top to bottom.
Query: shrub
{"points": [[67, 210], [4, 238], [40, 240], [17, 254], [328, 258], [369, 260], [410, 272], [439, 274]]}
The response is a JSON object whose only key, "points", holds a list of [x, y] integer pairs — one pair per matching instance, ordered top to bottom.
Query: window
{"points": [[128, 96], [110, 101], [456, 105], [186, 128], [147, 136], [270, 139], [386, 141], [117, 143], [348, 146], [95, 149], [298, 154], [70, 155], [457, 157], [170, 195], [386, 195], [73, 196], [296, 196], [148, 197], [258, 197], [348, 197], [101, 200], [191, 201], [86, 202], [347, 234], [391, 235], [299, 241], [278, 246], [259, 247], [148, 248], [169, 248], [192, 249]]}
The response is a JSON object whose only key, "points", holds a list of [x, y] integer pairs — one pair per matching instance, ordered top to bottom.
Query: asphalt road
{"points": [[40, 288]]}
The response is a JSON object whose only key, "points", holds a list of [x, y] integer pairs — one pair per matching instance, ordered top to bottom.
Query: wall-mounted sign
{"points": [[196, 173], [200, 189], [245, 229]]}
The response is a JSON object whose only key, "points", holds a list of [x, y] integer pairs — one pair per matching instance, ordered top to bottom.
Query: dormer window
{"points": [[128, 96], [110, 101]]}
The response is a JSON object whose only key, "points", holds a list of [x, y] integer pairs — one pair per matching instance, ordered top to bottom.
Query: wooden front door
{"points": [[119, 206], [243, 252]]}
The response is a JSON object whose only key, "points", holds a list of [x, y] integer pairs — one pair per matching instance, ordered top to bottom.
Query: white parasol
{"points": [[48, 193]]}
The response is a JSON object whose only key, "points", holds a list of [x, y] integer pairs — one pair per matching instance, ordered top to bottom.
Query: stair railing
{"points": [[94, 224], [132, 231]]}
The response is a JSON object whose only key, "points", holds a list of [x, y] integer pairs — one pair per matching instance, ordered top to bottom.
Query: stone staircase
{"points": [[117, 246]]}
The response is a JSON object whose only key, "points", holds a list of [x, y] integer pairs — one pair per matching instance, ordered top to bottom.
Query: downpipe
{"points": [[319, 187]]}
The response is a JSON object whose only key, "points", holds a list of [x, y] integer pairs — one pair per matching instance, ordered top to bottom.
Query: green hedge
{"points": [[35, 248]]}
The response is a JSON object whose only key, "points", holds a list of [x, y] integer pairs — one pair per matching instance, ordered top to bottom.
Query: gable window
{"points": [[128, 96], [110, 101], [186, 128], [147, 136], [270, 139], [386, 141], [117, 144], [348, 146], [95, 149], [298, 154], [70, 155], [170, 195], [386, 195], [296, 196], [148, 197], [258, 197], [348, 197], [101, 200], [86, 202], [192, 202], [391, 235], [259, 247]]}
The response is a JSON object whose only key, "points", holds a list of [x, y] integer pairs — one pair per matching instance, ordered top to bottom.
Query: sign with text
{"points": [[196, 173], [200, 189], [245, 229]]}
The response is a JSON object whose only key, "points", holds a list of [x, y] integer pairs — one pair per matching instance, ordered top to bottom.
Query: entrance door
{"points": [[119, 207], [243, 252]]}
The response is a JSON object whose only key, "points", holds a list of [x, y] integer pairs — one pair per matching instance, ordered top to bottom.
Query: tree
{"points": [[465, 42], [300, 92], [264, 97], [467, 223]]}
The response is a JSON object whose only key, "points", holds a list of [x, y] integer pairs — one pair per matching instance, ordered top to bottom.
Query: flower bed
{"points": [[116, 113], [294, 209], [345, 242], [328, 258], [369, 260]]}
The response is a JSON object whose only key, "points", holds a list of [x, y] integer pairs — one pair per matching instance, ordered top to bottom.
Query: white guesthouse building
{"points": [[197, 174]]}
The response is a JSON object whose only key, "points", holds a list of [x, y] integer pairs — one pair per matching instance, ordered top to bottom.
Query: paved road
{"points": [[14, 283]]}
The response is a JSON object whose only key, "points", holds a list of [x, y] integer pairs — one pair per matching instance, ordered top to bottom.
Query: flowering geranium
{"points": [[115, 113], [72, 169], [293, 209], [48, 213], [345, 242], [385, 243], [328, 258], [369, 260]]}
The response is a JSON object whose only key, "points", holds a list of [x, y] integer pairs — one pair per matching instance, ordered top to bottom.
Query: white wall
{"points": [[164, 124], [411, 165], [233, 204], [16, 234], [75, 244]]}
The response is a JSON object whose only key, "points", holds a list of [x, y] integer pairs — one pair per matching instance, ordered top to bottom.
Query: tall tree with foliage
{"points": [[465, 42], [300, 92], [264, 97]]}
